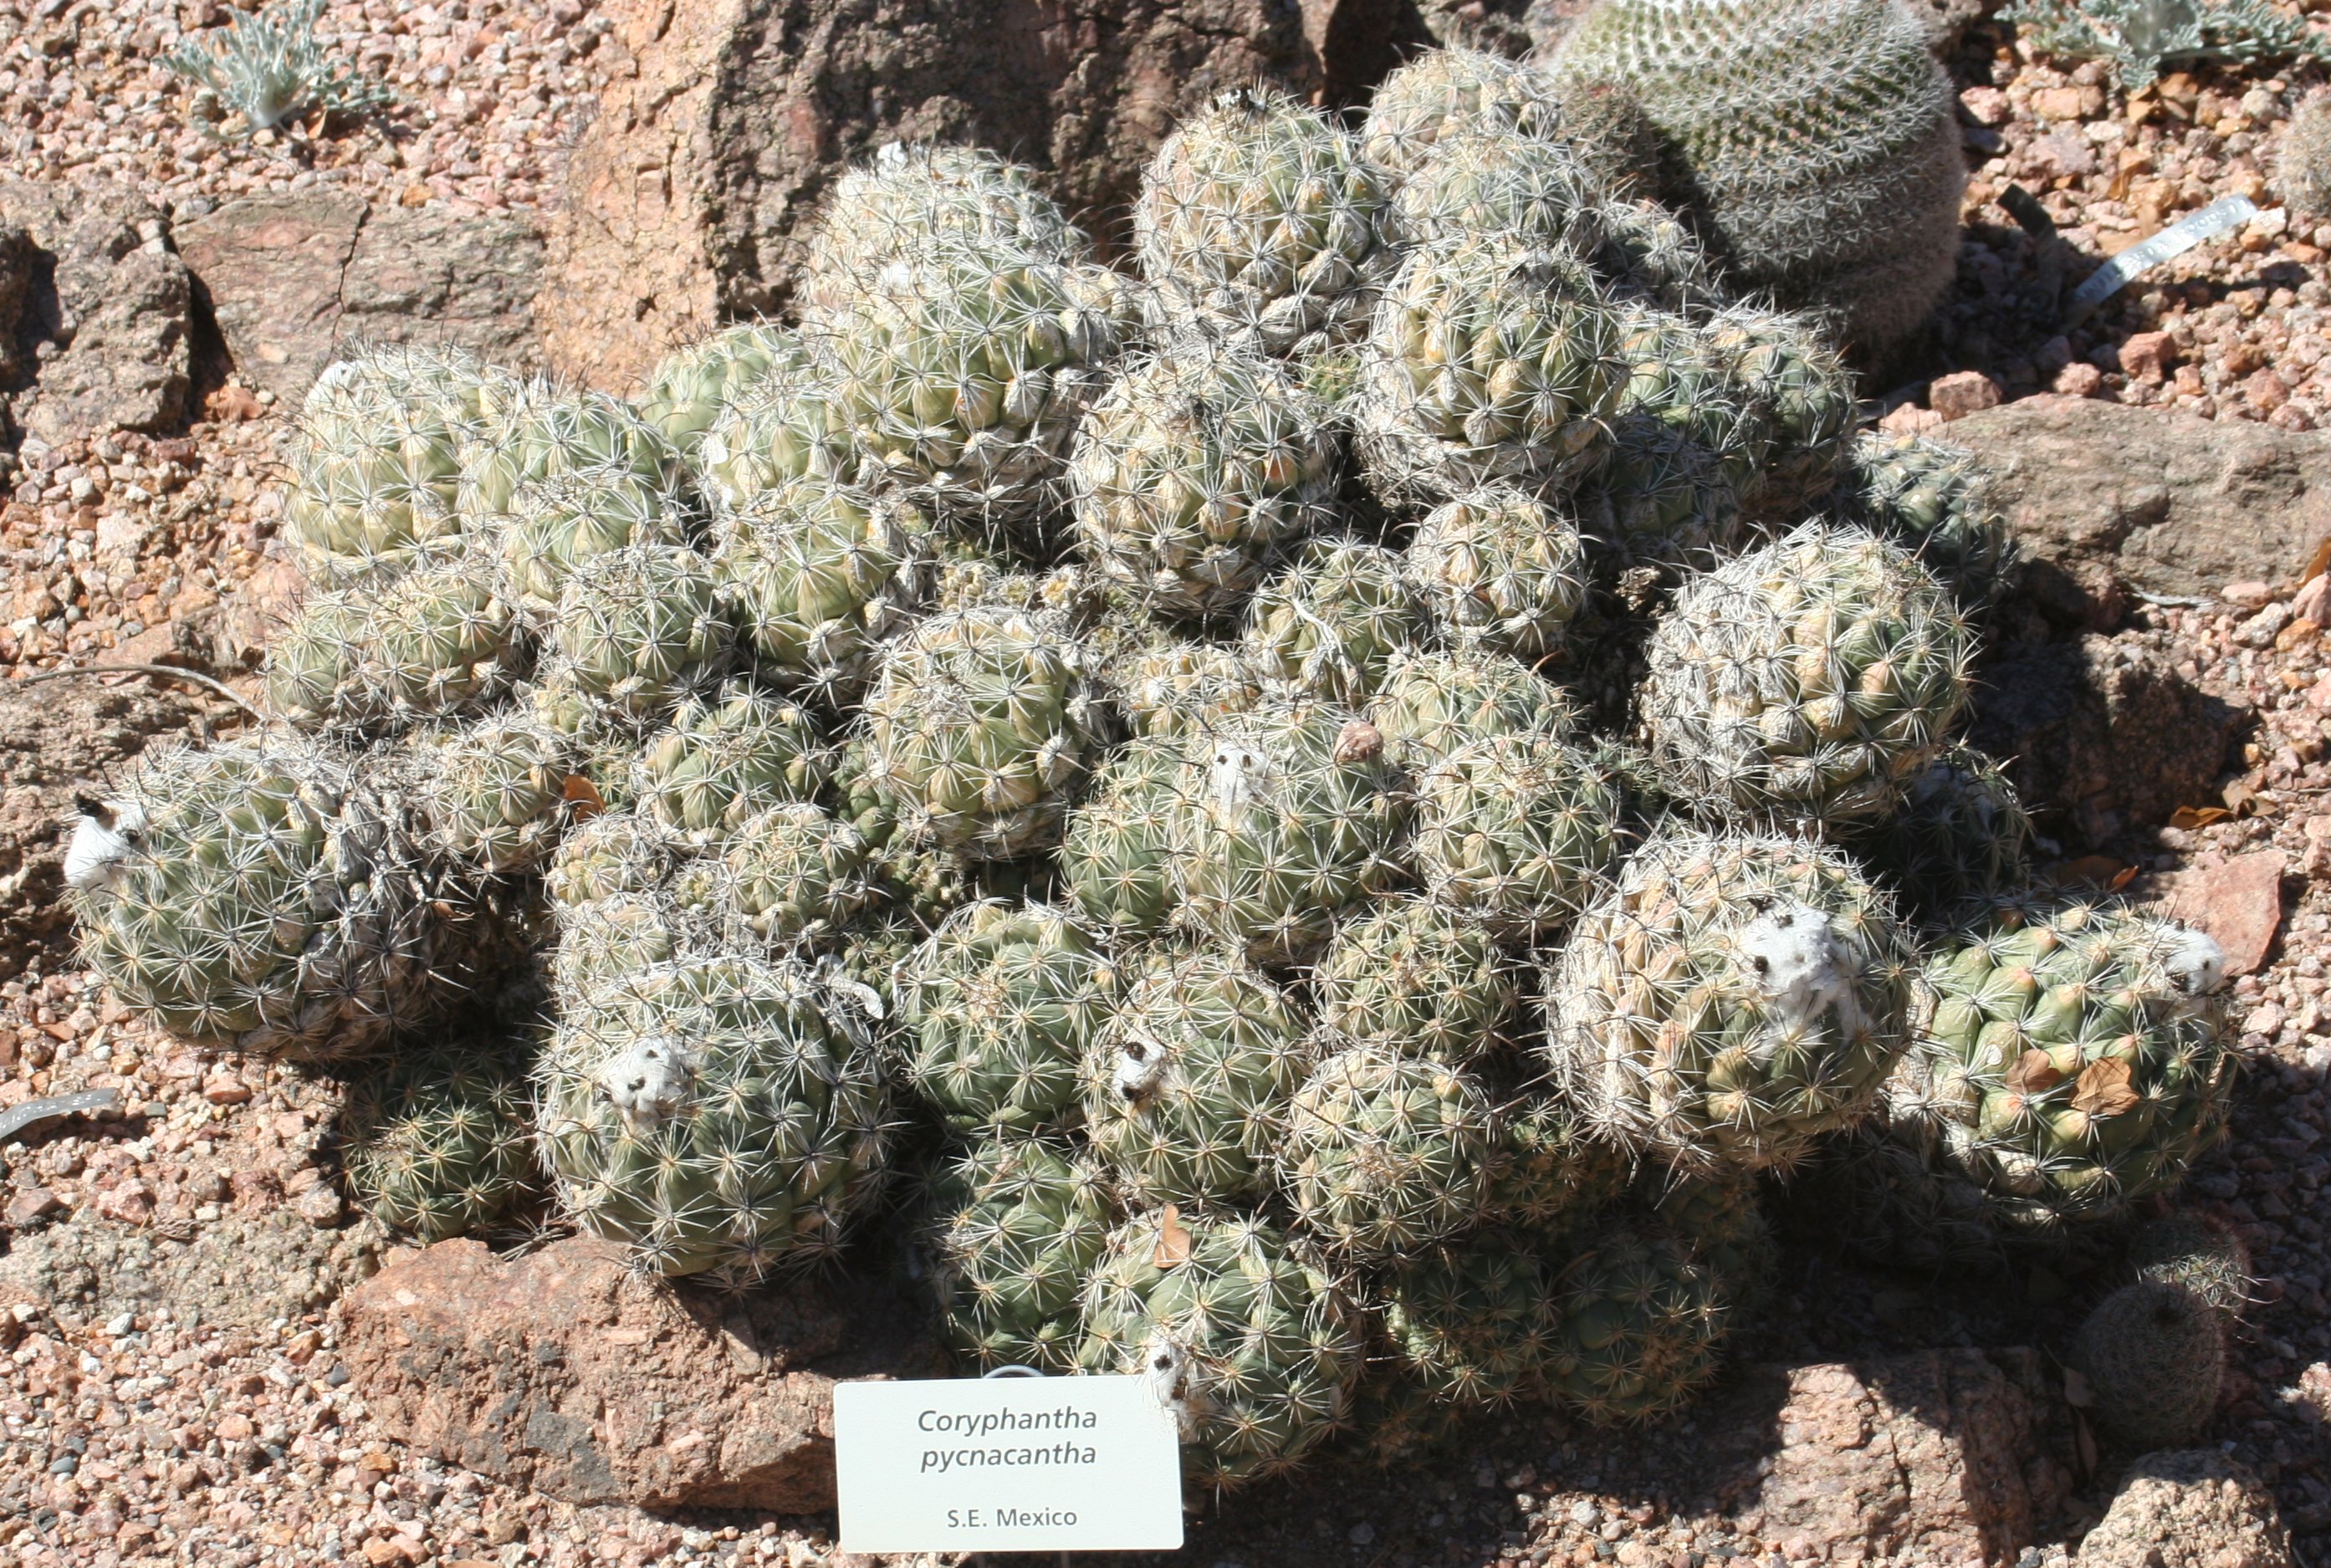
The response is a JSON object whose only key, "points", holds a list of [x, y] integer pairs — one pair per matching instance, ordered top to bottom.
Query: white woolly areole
{"points": [[1236, 776], [102, 839], [2196, 964], [1800, 965], [1140, 1063], [647, 1083], [1167, 1366]]}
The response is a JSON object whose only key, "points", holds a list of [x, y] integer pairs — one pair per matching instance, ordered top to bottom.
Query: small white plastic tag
{"points": [[2207, 223], [1084, 1464]]}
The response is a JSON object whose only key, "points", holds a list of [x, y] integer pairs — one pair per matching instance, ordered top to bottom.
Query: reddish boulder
{"points": [[725, 123], [294, 281], [2158, 502], [2237, 900], [566, 1371], [1941, 1458]]}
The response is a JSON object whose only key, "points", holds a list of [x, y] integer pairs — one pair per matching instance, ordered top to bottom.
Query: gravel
{"points": [[483, 97], [2242, 317]]}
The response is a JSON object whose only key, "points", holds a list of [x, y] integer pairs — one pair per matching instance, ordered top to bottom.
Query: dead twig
{"points": [[170, 671]]}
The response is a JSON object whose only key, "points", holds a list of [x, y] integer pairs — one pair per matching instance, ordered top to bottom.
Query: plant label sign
{"points": [[1088, 1464]]}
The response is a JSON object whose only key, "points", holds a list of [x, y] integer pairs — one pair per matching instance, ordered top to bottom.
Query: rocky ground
{"points": [[173, 1296]]}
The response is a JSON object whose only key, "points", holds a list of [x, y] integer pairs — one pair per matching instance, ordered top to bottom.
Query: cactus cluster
{"points": [[1346, 959]]}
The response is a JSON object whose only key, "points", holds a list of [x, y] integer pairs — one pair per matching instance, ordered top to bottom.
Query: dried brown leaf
{"points": [[585, 796], [2034, 1072], [2102, 1089], [1172, 1239]]}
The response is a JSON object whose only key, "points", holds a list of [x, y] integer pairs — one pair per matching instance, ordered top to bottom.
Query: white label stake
{"points": [[2208, 224], [1088, 1464]]}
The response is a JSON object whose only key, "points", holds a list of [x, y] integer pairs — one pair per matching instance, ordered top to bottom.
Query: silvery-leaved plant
{"points": [[270, 66]]}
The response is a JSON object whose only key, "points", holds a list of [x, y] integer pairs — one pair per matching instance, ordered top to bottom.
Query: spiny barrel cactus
{"points": [[1445, 93], [1816, 140], [2302, 171], [1502, 185], [911, 198], [1259, 217], [1647, 255], [1486, 363], [961, 375], [1678, 375], [692, 385], [1798, 391], [784, 428], [534, 431], [377, 465], [1196, 469], [1659, 499], [1934, 500], [557, 523], [1500, 568], [823, 573], [1329, 624], [639, 629], [373, 659], [1808, 679], [1182, 688], [1430, 702], [980, 729], [725, 757], [494, 792], [1288, 815], [1516, 831], [1962, 833], [609, 853], [1114, 857], [798, 873], [265, 896], [609, 939], [1410, 975], [1732, 1000], [1003, 1003], [2070, 1057], [1187, 1086], [721, 1115], [439, 1143], [1384, 1152], [1551, 1174], [1887, 1196], [1720, 1216], [1015, 1227], [2200, 1252], [1473, 1318], [1639, 1321], [1243, 1334], [2153, 1356], [1397, 1416]]}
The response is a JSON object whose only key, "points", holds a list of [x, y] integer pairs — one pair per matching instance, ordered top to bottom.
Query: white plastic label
{"points": [[2207, 223], [1087, 1464]]}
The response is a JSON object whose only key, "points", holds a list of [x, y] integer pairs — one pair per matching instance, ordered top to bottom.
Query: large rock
{"points": [[726, 121], [19, 266], [293, 279], [103, 291], [2106, 495], [2102, 734], [57, 742], [245, 1269], [570, 1373], [1941, 1458], [2189, 1508]]}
